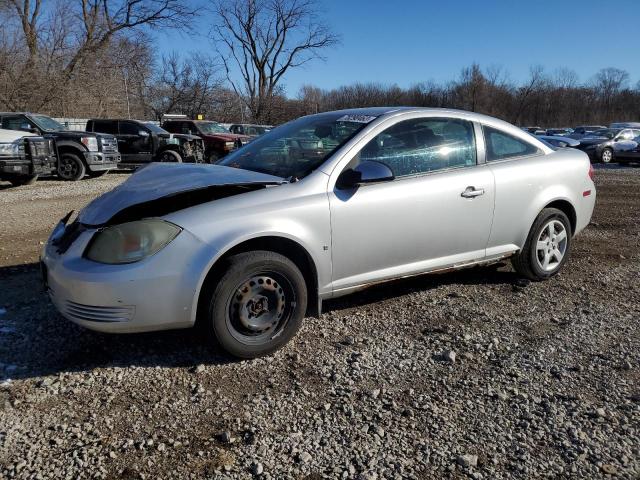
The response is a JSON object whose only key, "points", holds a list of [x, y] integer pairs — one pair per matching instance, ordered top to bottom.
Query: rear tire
{"points": [[607, 155], [71, 167], [98, 174], [547, 247], [257, 305]]}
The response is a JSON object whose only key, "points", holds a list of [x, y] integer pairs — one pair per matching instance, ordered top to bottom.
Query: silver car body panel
{"points": [[377, 232]]}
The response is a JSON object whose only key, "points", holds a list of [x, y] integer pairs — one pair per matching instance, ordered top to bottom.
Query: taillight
{"points": [[591, 172]]}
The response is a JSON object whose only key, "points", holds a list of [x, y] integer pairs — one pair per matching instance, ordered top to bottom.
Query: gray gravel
{"points": [[472, 374]]}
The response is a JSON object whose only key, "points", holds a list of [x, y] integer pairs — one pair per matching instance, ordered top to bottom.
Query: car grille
{"points": [[109, 144], [39, 147], [94, 313]]}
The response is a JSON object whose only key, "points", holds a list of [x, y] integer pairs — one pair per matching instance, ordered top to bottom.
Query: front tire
{"points": [[607, 155], [170, 156], [213, 157], [71, 167], [547, 247], [258, 304]]}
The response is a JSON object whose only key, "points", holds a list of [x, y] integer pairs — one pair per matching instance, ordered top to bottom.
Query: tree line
{"points": [[98, 58]]}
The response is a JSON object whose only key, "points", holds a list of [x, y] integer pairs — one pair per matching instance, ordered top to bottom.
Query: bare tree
{"points": [[263, 39], [51, 48], [188, 85]]}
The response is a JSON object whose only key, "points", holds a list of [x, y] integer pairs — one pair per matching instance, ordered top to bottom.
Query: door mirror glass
{"points": [[143, 133], [364, 173]]}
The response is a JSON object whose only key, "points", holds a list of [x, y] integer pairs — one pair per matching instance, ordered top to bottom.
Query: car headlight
{"points": [[91, 143], [229, 145], [12, 149], [131, 242]]}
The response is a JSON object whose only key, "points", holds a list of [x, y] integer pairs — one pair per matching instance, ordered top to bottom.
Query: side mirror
{"points": [[143, 133], [365, 173]]}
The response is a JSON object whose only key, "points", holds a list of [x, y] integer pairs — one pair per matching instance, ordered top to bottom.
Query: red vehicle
{"points": [[218, 141]]}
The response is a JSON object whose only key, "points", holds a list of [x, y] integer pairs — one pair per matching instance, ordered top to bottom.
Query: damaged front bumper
{"points": [[98, 161], [155, 293]]}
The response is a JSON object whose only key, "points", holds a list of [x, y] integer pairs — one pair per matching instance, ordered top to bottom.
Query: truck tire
{"points": [[169, 156], [213, 157], [71, 167], [98, 174], [23, 180], [257, 305]]}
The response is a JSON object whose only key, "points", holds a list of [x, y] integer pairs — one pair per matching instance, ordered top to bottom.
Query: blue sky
{"points": [[408, 41]]}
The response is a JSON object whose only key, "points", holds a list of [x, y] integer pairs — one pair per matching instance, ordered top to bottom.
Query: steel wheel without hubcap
{"points": [[607, 155], [551, 246], [260, 308]]}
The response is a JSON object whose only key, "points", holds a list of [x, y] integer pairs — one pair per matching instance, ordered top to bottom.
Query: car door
{"points": [[134, 142], [436, 213]]}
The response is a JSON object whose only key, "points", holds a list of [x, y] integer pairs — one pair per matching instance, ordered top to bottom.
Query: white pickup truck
{"points": [[24, 156]]}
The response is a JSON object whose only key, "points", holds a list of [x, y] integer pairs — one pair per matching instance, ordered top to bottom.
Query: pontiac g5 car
{"points": [[317, 208]]}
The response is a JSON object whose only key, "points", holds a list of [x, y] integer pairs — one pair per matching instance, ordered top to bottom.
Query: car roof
{"points": [[23, 113], [116, 120]]}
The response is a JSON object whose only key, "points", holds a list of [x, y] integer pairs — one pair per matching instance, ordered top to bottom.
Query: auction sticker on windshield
{"points": [[356, 118]]}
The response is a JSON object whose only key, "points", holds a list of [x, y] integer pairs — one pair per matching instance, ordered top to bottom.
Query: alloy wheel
{"points": [[607, 155], [68, 167], [551, 245]]}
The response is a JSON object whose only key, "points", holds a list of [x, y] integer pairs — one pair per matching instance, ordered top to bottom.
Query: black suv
{"points": [[144, 142], [78, 152], [24, 158]]}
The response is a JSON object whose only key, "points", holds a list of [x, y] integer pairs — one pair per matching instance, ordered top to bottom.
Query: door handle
{"points": [[471, 192]]}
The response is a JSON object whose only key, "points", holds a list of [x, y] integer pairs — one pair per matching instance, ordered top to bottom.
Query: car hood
{"points": [[78, 134], [10, 136], [225, 137], [167, 181]]}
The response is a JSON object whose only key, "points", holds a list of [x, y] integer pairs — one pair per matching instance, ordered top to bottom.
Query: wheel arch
{"points": [[70, 147], [568, 209], [285, 246]]}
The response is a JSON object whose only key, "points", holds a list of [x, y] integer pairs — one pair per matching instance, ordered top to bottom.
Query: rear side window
{"points": [[104, 126], [501, 145]]}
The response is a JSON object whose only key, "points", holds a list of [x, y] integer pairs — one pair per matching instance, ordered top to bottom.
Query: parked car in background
{"points": [[625, 125], [249, 129], [535, 130], [583, 130], [559, 132], [218, 141], [559, 141], [144, 142], [599, 144], [625, 151], [79, 153], [25, 156], [253, 244]]}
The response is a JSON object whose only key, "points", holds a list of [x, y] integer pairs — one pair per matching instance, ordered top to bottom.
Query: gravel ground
{"points": [[469, 374]]}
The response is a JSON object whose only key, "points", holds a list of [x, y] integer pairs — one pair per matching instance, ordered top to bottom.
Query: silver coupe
{"points": [[317, 208]]}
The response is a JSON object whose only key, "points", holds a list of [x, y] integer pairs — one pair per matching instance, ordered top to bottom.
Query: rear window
{"points": [[501, 145]]}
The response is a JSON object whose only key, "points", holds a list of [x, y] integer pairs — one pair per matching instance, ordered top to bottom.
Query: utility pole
{"points": [[126, 93]]}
